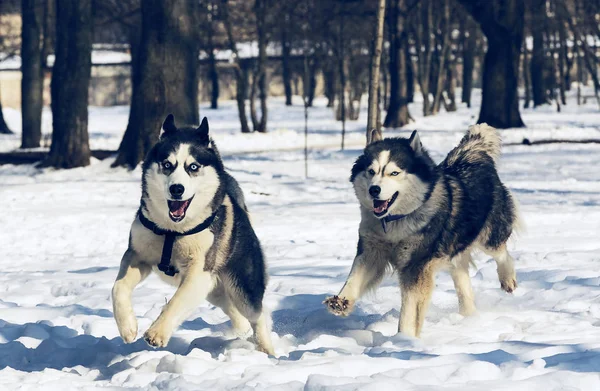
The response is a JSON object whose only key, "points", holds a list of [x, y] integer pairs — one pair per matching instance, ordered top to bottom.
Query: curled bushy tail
{"points": [[482, 137], [479, 139]]}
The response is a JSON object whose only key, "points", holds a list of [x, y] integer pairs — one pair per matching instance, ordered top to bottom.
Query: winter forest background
{"points": [[291, 90]]}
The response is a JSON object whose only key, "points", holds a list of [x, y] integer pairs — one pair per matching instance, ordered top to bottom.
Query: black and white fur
{"points": [[183, 183], [449, 210]]}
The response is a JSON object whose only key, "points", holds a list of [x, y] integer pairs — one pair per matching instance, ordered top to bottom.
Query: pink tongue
{"points": [[178, 208], [380, 208]]}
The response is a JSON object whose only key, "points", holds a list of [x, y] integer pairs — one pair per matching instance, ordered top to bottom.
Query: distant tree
{"points": [[502, 22], [469, 46], [34, 50], [538, 55], [260, 75], [241, 77], [168, 78], [70, 81], [397, 114], [373, 124], [4, 129]]}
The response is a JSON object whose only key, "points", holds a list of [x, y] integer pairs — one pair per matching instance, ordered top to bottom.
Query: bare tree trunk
{"points": [[261, 15], [502, 21], [423, 38], [469, 46], [538, 57], [285, 64], [342, 70], [168, 72], [213, 72], [240, 73], [410, 73], [526, 77], [312, 80], [32, 81], [70, 81], [329, 81], [450, 85], [439, 88], [373, 110], [397, 114], [4, 129]]}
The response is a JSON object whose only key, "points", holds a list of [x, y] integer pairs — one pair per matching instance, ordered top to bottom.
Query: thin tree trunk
{"points": [[261, 15], [504, 32], [423, 38], [469, 46], [538, 57], [285, 62], [342, 70], [213, 72], [240, 73], [410, 73], [168, 76], [526, 77], [312, 80], [32, 81], [329, 81], [70, 82], [450, 85], [439, 88], [373, 109], [397, 114], [4, 129]]}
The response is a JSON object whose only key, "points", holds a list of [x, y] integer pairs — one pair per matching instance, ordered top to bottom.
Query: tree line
{"points": [[387, 49]]}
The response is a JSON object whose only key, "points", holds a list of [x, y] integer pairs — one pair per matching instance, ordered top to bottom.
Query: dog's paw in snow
{"points": [[508, 279], [339, 306], [128, 329], [156, 336]]}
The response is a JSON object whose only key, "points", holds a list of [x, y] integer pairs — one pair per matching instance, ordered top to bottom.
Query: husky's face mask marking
{"points": [[182, 177], [392, 178]]}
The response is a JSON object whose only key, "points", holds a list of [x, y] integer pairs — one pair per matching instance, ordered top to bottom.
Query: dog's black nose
{"points": [[177, 190], [374, 191]]}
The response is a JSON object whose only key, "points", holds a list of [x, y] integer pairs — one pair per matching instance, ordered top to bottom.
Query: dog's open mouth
{"points": [[380, 207], [177, 209]]}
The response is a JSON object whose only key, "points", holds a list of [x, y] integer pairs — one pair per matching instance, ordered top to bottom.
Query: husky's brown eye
{"points": [[167, 165], [194, 167], [372, 172], [394, 173]]}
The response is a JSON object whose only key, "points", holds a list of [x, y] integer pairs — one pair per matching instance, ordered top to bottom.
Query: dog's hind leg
{"points": [[505, 267], [459, 270], [131, 273], [194, 289], [416, 294], [220, 298]]}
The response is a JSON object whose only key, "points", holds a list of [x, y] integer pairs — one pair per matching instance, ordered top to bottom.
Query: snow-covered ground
{"points": [[63, 233]]}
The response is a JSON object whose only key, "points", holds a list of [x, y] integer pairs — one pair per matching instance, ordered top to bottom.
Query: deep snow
{"points": [[63, 233]]}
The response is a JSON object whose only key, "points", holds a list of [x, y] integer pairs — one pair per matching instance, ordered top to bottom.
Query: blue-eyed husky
{"points": [[418, 217], [193, 230]]}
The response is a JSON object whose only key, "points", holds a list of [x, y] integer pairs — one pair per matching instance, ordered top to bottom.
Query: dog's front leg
{"points": [[131, 273], [366, 273], [416, 288], [193, 290]]}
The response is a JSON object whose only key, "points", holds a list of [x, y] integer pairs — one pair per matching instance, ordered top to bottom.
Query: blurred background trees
{"points": [[521, 53]]}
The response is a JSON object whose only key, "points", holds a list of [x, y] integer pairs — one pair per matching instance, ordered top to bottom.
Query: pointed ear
{"points": [[168, 126], [203, 130], [375, 136], [415, 142]]}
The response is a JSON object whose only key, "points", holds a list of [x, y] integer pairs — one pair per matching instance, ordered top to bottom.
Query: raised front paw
{"points": [[339, 306], [128, 329], [157, 336]]}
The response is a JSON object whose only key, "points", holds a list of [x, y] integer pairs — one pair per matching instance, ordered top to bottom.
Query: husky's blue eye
{"points": [[167, 165], [194, 167], [372, 172], [394, 173]]}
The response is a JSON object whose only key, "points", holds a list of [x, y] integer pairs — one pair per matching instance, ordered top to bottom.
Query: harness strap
{"points": [[389, 219], [170, 236]]}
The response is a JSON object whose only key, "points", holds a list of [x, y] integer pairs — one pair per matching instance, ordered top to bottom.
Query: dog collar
{"points": [[389, 219], [165, 258]]}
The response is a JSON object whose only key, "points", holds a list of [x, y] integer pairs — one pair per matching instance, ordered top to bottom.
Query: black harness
{"points": [[165, 258]]}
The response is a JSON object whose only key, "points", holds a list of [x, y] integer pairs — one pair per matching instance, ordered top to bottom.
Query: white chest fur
{"points": [[187, 250]]}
